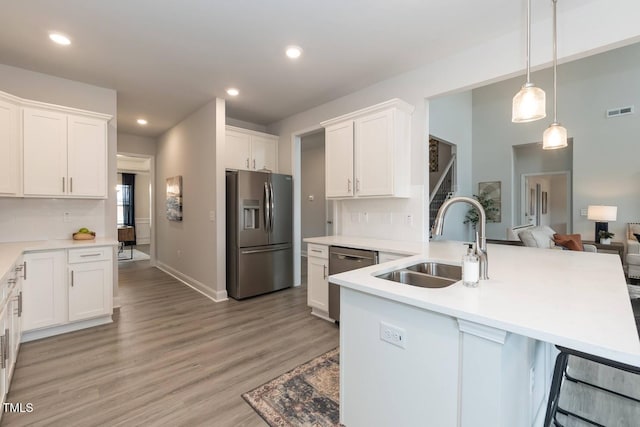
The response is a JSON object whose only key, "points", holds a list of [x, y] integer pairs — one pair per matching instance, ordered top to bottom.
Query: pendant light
{"points": [[529, 103], [555, 136]]}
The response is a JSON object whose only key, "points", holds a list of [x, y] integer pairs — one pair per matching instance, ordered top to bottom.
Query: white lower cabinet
{"points": [[317, 280], [44, 289], [66, 290], [90, 290], [10, 325]]}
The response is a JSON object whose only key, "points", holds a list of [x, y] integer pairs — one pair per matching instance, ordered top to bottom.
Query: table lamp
{"points": [[602, 215]]}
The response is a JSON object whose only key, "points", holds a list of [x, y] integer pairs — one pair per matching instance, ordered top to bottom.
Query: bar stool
{"points": [[560, 374]]}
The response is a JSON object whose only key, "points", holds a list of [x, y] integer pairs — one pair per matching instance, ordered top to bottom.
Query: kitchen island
{"points": [[476, 357]]}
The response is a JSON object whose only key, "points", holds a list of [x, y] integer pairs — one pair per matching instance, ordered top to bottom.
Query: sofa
{"points": [[539, 236], [633, 250]]}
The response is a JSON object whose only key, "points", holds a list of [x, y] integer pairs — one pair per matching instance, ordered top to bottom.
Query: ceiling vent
{"points": [[622, 111]]}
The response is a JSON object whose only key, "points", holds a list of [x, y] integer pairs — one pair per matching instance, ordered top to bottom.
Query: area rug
{"points": [[137, 256], [305, 396]]}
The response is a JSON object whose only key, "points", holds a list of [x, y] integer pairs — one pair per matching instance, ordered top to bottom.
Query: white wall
{"points": [[490, 61], [245, 125], [605, 166], [312, 183], [558, 203], [34, 219], [189, 249]]}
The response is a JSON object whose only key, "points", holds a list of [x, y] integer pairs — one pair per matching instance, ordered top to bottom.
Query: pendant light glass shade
{"points": [[530, 102], [554, 137]]}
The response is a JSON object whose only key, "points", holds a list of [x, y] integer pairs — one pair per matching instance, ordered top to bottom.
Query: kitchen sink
{"points": [[453, 272], [426, 275]]}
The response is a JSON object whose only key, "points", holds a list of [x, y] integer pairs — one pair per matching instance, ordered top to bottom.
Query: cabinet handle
{"points": [[247, 163], [254, 163], [63, 184], [349, 184], [71, 185], [357, 185], [316, 251], [89, 255], [24, 270], [325, 271], [72, 278], [11, 281], [20, 304], [3, 347], [6, 347]]}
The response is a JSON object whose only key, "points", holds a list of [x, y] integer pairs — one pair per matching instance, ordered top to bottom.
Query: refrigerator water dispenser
{"points": [[251, 210]]}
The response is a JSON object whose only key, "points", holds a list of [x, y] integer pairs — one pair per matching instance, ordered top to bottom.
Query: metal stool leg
{"points": [[554, 394]]}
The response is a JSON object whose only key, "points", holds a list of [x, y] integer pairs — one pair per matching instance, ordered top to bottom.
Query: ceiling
{"points": [[167, 58]]}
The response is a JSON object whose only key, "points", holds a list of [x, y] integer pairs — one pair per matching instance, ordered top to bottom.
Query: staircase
{"points": [[444, 189]]}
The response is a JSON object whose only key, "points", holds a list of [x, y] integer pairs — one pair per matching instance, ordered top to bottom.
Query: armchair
{"points": [[539, 236], [633, 250]]}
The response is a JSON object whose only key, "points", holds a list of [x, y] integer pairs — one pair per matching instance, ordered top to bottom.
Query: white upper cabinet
{"points": [[10, 148], [64, 150], [250, 150], [368, 152], [45, 153], [87, 157], [339, 160]]}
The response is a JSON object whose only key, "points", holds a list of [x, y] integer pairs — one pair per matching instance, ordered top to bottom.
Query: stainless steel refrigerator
{"points": [[259, 233]]}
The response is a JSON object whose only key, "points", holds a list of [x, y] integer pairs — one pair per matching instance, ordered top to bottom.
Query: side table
{"points": [[613, 247]]}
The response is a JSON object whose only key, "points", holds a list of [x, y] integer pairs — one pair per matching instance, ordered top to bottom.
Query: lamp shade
{"points": [[528, 104], [554, 137], [602, 213]]}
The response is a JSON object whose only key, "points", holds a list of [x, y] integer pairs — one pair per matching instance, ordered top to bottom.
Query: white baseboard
{"points": [[215, 296], [63, 329]]}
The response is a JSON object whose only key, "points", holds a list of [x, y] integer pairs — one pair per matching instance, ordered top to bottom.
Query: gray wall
{"points": [[450, 118], [134, 144], [605, 161], [312, 181], [97, 214], [188, 249]]}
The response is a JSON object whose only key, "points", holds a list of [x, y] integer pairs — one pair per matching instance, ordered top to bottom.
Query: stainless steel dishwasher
{"points": [[341, 260]]}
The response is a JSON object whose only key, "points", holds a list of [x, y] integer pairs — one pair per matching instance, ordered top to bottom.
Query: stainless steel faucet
{"points": [[481, 241]]}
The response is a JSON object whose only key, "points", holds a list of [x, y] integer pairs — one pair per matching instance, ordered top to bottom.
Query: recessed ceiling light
{"points": [[60, 39], [294, 52], [233, 91], [142, 121]]}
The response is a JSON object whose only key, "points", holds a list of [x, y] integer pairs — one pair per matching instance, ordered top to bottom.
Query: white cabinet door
{"points": [[9, 146], [237, 150], [45, 153], [264, 153], [374, 154], [87, 157], [339, 160], [317, 283], [44, 290], [90, 290], [16, 325], [4, 371]]}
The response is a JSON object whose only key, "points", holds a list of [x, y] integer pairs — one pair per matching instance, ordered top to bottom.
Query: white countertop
{"points": [[10, 252], [574, 299]]}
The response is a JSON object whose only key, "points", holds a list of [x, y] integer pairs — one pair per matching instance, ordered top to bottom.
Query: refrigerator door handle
{"points": [[272, 199], [267, 207]]}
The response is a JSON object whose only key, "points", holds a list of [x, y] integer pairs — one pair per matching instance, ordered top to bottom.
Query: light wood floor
{"points": [[172, 357]]}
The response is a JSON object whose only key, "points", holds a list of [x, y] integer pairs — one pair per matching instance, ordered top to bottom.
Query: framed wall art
{"points": [[174, 198]]}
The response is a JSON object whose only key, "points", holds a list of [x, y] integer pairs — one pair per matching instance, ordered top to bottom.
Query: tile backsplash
{"points": [[44, 219], [392, 219]]}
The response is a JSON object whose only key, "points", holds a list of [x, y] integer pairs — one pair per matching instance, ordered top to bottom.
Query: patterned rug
{"points": [[305, 396]]}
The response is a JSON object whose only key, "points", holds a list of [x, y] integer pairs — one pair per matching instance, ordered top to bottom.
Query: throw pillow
{"points": [[634, 229], [637, 236], [543, 239], [573, 242]]}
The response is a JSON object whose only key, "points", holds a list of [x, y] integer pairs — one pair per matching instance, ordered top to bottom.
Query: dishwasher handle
{"points": [[351, 257]]}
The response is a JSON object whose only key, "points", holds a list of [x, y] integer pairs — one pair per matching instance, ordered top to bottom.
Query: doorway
{"points": [[135, 195], [546, 200], [313, 213]]}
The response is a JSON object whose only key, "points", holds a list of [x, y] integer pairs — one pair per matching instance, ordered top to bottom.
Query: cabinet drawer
{"points": [[318, 251], [99, 253]]}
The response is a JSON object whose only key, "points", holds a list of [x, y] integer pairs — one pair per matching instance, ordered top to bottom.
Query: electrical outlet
{"points": [[583, 212], [212, 215], [66, 217], [365, 217], [409, 219], [179, 253], [393, 334]]}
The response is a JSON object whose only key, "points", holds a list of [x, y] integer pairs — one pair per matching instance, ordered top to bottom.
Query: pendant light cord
{"points": [[528, 41], [555, 63]]}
